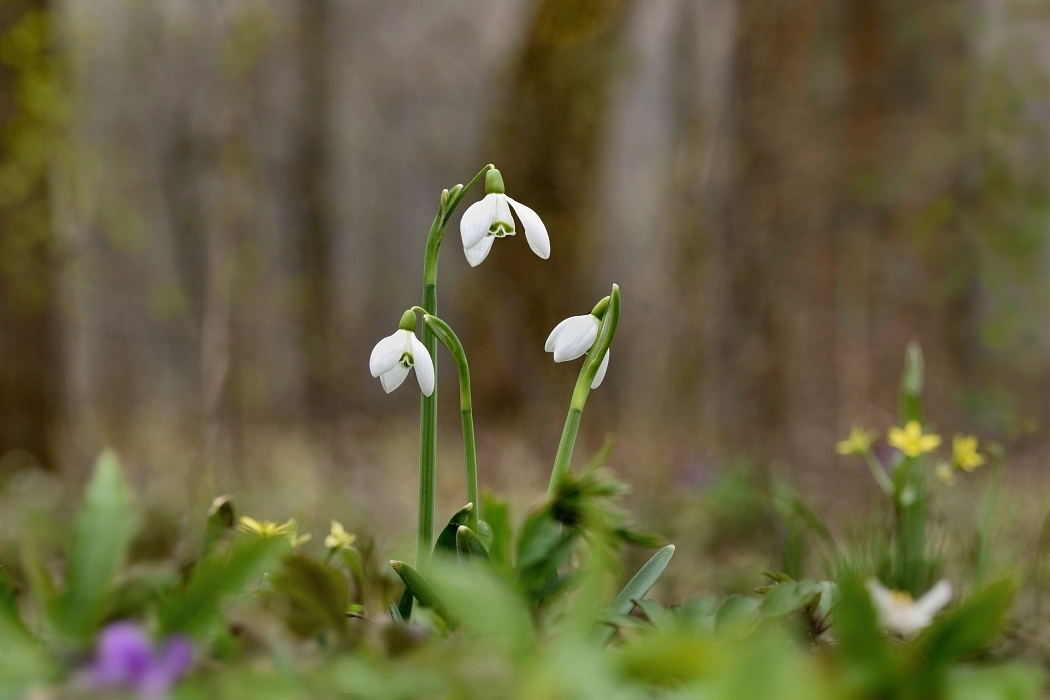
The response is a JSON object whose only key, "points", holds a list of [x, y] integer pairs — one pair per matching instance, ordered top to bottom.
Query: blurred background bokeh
{"points": [[211, 211]]}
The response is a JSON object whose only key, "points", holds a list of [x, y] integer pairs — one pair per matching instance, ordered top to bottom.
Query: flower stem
{"points": [[451, 342], [583, 389], [428, 405], [879, 472]]}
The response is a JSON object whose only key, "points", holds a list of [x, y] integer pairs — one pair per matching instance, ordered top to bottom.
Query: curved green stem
{"points": [[451, 342], [583, 389], [428, 405], [879, 472]]}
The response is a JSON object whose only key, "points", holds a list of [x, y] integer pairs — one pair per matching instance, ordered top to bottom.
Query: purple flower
{"points": [[126, 658]]}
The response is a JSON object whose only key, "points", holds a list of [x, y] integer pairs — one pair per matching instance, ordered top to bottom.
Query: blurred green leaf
{"points": [[496, 512], [104, 530], [317, 594], [788, 597], [486, 604], [195, 609], [736, 616], [970, 627], [861, 646], [23, 659], [1010, 682]]}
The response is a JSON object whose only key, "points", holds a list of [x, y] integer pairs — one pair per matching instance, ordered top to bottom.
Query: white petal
{"points": [[501, 212], [474, 226], [535, 231], [478, 253], [553, 337], [576, 338], [386, 353], [424, 366], [602, 369], [393, 379], [882, 597], [934, 599]]}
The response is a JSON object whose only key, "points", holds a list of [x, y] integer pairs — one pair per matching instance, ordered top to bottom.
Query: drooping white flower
{"points": [[485, 221], [572, 338], [396, 354], [899, 613]]}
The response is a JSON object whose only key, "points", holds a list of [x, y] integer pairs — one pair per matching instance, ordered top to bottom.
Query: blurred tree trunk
{"points": [[546, 141], [315, 244], [775, 248], [30, 356]]}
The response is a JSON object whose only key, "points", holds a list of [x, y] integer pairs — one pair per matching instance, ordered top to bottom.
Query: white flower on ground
{"points": [[485, 221], [572, 338], [396, 354], [899, 613]]}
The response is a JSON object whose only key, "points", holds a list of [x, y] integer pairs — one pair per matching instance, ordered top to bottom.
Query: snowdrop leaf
{"points": [[446, 541], [469, 546], [636, 589], [422, 590]]}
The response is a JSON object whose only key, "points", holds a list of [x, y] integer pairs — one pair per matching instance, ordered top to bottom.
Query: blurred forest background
{"points": [[211, 211]]}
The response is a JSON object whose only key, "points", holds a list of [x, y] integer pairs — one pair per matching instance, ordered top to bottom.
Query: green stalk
{"points": [[451, 342], [583, 389], [428, 405], [910, 479]]}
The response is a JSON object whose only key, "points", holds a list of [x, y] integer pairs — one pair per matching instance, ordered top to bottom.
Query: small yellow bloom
{"points": [[911, 441], [858, 443], [965, 454], [945, 473], [268, 528], [339, 538]]}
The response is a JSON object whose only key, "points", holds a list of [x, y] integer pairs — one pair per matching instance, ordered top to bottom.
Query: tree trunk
{"points": [[546, 141], [315, 244], [30, 356]]}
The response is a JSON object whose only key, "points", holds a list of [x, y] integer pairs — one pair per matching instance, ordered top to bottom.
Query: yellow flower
{"points": [[911, 441], [858, 443], [965, 454], [945, 473], [268, 528], [339, 538]]}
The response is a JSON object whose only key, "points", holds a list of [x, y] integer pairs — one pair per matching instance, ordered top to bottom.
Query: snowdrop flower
{"points": [[485, 221], [574, 336], [396, 354], [899, 613]]}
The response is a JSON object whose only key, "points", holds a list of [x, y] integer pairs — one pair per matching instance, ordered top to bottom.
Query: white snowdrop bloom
{"points": [[485, 221], [572, 338], [396, 354], [899, 613]]}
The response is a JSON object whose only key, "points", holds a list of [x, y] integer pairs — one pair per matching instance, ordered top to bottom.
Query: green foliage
{"points": [[104, 530], [196, 608]]}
